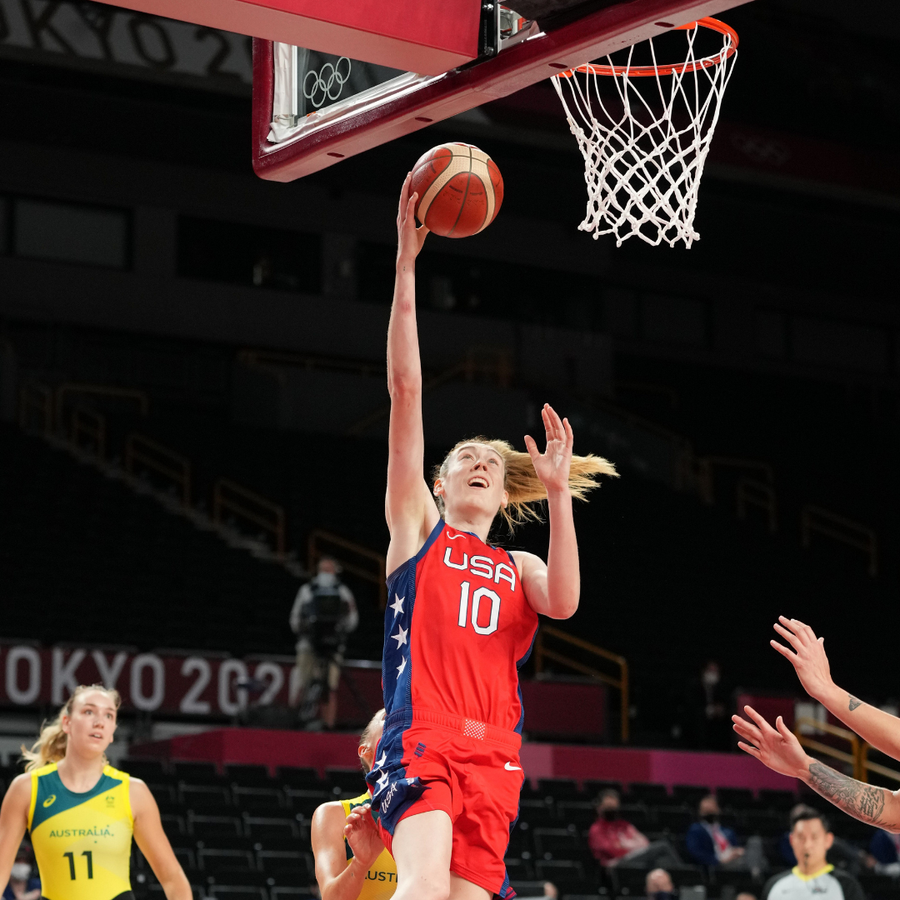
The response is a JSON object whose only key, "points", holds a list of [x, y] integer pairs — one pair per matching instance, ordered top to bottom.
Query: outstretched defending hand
{"points": [[409, 237], [552, 466], [809, 660], [775, 747], [362, 835]]}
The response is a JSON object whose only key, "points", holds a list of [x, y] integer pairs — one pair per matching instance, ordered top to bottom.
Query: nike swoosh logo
{"points": [[453, 537], [511, 768]]}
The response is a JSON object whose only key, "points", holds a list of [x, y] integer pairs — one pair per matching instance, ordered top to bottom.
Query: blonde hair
{"points": [[526, 491], [51, 744]]}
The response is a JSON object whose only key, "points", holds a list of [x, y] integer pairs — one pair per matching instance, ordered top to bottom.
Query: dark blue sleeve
{"points": [[731, 837], [700, 846], [882, 848], [786, 850]]}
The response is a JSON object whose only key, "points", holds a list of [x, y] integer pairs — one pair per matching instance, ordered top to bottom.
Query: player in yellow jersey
{"points": [[82, 812], [351, 862]]}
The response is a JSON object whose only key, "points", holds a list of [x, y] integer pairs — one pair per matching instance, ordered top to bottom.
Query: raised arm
{"points": [[409, 506], [553, 589], [807, 654], [780, 750], [13, 822], [152, 840], [338, 879]]}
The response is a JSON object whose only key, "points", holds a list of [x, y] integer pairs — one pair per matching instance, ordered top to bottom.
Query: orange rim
{"points": [[649, 71]]}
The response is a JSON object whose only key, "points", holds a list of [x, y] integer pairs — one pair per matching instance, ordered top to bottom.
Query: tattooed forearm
{"points": [[854, 702], [862, 801]]}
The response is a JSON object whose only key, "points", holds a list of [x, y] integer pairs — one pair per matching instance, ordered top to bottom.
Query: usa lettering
{"points": [[482, 566]]}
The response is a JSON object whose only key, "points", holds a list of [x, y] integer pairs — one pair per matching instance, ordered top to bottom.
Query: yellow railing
{"points": [[69, 388], [36, 397], [89, 424], [162, 460], [706, 466], [750, 492], [252, 507], [816, 520], [366, 564], [542, 653], [852, 757], [865, 766]]}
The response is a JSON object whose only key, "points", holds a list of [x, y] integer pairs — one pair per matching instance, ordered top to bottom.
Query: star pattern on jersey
{"points": [[397, 606], [400, 636], [402, 666], [380, 762], [383, 781]]}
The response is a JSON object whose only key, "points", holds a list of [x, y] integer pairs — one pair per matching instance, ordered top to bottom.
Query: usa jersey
{"points": [[456, 632]]}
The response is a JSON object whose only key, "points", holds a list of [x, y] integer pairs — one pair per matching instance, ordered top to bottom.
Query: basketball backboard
{"points": [[313, 109]]}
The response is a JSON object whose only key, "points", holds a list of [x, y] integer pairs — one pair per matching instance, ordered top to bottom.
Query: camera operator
{"points": [[324, 613]]}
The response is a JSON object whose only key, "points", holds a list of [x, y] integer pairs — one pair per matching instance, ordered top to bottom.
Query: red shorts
{"points": [[472, 772]]}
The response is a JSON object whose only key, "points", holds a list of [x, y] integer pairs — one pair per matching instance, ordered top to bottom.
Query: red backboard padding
{"points": [[401, 34]]}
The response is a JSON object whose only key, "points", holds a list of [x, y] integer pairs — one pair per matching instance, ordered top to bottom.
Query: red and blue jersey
{"points": [[457, 630]]}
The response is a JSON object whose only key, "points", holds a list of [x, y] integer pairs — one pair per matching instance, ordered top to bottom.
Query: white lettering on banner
{"points": [[146, 44], [228, 670], [109, 672], [64, 674], [275, 675], [29, 694], [141, 701], [189, 703]]}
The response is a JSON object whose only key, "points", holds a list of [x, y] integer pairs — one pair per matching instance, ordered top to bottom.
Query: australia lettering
{"points": [[482, 566], [82, 832], [381, 876]]}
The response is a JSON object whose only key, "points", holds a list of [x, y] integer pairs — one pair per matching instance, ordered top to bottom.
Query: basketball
{"points": [[460, 190]]}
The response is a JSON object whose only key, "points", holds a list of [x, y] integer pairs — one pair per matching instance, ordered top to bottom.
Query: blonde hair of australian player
{"points": [[526, 491], [51, 744]]}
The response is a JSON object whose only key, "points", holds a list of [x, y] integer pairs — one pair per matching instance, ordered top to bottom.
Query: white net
{"points": [[645, 143]]}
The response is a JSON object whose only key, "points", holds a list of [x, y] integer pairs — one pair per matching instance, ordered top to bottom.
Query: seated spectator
{"points": [[811, 838], [614, 841], [712, 846], [885, 850], [23, 885], [659, 885]]}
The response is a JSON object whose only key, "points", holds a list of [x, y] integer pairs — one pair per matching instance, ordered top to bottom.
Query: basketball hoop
{"points": [[643, 161]]}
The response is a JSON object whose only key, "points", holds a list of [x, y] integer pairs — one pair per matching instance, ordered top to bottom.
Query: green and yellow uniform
{"points": [[82, 842], [381, 879]]}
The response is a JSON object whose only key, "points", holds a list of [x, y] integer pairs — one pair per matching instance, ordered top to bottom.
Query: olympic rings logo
{"points": [[327, 83]]}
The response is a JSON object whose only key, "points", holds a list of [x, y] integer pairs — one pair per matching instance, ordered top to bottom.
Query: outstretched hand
{"points": [[409, 236], [552, 466], [808, 656], [776, 747], [362, 835]]}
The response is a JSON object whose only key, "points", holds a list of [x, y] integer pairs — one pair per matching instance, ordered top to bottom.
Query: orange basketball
{"points": [[460, 190]]}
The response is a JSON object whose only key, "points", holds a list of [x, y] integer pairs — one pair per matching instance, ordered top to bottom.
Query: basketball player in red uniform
{"points": [[461, 620]]}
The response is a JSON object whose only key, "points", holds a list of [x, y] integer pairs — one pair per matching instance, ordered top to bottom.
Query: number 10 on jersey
{"points": [[480, 594]]}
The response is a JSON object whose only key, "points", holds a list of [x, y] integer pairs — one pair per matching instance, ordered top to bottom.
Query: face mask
{"points": [[326, 579], [610, 815], [712, 818], [20, 871]]}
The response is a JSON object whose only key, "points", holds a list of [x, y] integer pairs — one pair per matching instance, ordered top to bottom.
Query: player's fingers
{"points": [[570, 435], [531, 447], [793, 639], [783, 650], [763, 726], [746, 730], [783, 730], [747, 748]]}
